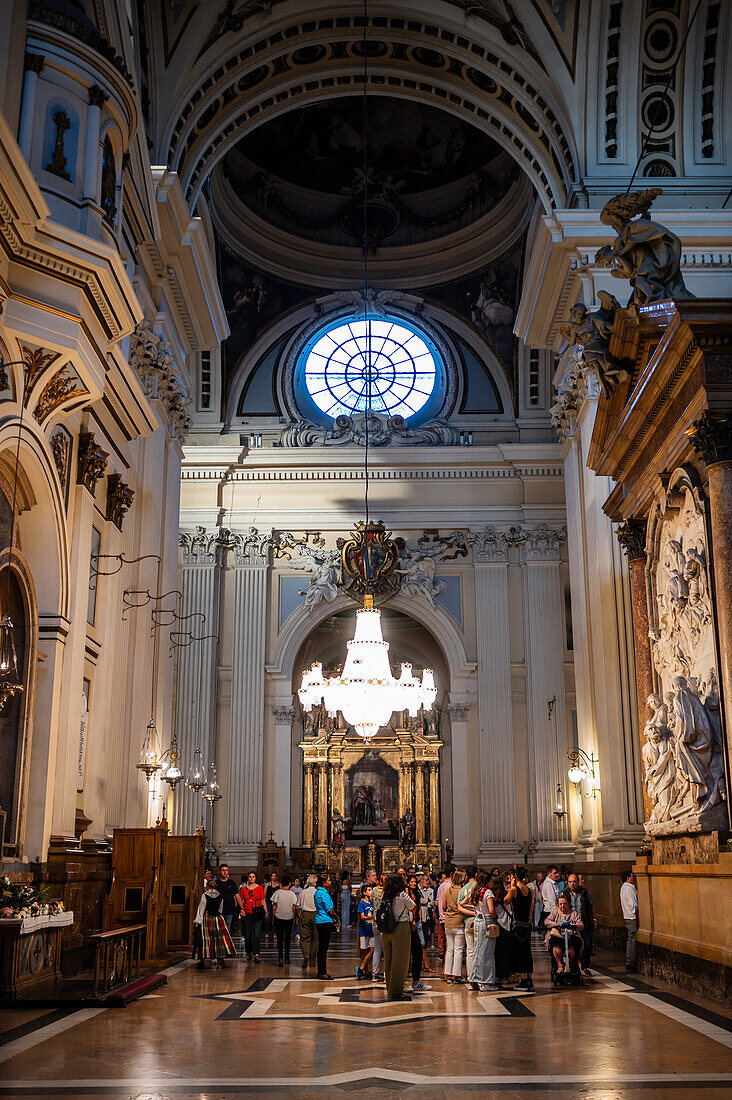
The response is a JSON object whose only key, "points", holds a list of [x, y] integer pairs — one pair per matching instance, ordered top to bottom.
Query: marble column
{"points": [[34, 63], [92, 154], [712, 439], [632, 537], [196, 683], [545, 687], [458, 712], [284, 715], [246, 731], [497, 780]]}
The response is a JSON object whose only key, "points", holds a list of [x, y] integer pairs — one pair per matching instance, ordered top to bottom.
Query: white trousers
{"points": [[454, 952]]}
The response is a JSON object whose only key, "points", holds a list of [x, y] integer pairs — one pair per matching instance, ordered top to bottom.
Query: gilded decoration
{"points": [[64, 386], [61, 449], [92, 462], [119, 499], [369, 562], [683, 761], [374, 805]]}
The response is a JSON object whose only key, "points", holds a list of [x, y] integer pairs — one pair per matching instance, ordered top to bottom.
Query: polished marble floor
{"points": [[255, 1029]]}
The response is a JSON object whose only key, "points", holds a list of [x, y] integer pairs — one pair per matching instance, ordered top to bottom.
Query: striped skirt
{"points": [[217, 942]]}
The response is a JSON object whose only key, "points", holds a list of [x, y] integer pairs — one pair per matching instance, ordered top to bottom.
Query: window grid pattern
{"points": [[370, 363]]}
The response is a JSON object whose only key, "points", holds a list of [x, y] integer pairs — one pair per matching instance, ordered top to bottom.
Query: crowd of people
{"points": [[478, 923]]}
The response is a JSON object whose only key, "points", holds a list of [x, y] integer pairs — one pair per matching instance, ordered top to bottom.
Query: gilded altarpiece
{"points": [[374, 804]]}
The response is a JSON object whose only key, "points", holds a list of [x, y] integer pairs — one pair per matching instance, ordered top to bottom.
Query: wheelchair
{"points": [[572, 974]]}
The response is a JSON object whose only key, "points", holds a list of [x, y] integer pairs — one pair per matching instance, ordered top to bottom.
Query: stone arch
{"points": [[285, 68], [433, 618]]}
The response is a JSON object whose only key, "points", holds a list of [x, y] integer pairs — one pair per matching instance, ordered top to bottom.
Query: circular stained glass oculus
{"points": [[370, 363]]}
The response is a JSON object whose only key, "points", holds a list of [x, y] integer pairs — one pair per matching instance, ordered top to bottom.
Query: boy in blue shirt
{"points": [[365, 931]]}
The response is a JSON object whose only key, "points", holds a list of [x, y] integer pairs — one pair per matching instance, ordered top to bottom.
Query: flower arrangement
{"points": [[17, 899]]}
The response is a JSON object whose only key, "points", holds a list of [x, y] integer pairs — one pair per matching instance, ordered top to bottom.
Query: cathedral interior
{"points": [[330, 326]]}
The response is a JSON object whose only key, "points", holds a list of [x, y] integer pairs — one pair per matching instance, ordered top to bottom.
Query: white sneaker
{"points": [[418, 987]]}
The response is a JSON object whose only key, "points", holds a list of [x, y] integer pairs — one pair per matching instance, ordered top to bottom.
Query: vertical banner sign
{"points": [[83, 730]]}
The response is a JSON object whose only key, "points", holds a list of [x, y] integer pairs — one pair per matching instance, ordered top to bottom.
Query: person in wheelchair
{"points": [[560, 918]]}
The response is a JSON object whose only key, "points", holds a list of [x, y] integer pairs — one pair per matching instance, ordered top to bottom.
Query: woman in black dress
{"points": [[522, 903], [504, 962]]}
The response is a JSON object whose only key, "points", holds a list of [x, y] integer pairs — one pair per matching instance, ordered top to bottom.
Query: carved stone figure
{"points": [[644, 252], [592, 331], [381, 431], [417, 565], [325, 568], [693, 741], [659, 768], [407, 829]]}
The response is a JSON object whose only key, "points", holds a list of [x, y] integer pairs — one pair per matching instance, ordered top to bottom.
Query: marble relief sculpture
{"points": [[644, 252], [682, 754]]}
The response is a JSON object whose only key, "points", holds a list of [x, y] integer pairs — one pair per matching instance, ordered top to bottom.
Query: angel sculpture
{"points": [[644, 252], [592, 332], [324, 566]]}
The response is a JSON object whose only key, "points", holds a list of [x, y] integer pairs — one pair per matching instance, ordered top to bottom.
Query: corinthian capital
{"points": [[542, 543]]}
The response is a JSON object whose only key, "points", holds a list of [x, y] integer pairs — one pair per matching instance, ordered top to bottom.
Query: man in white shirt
{"points": [[550, 890], [629, 905], [305, 911]]}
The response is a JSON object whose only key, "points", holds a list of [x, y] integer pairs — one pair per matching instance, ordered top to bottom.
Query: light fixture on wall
{"points": [[366, 692], [149, 761], [584, 765], [171, 772], [196, 779], [212, 791], [560, 809]]}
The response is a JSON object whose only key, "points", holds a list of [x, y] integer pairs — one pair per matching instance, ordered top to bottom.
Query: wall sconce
{"points": [[584, 764]]}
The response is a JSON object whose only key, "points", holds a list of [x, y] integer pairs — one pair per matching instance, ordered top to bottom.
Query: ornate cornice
{"points": [[711, 438], [91, 463], [119, 499], [632, 537]]}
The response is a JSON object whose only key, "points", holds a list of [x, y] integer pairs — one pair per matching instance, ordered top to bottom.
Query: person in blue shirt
{"points": [[326, 921], [365, 932]]}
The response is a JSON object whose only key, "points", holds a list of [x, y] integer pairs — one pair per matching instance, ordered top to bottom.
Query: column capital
{"points": [[34, 62], [97, 96], [711, 438], [632, 537], [542, 543], [490, 544], [199, 546], [251, 547], [458, 711], [284, 714]]}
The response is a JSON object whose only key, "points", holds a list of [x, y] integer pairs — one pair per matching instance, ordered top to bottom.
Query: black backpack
{"points": [[385, 919]]}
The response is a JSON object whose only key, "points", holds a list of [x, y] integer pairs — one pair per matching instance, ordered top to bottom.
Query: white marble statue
{"points": [[324, 566], [659, 768]]}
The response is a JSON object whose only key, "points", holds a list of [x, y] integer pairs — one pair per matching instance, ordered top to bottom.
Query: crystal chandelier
{"points": [[366, 692]]}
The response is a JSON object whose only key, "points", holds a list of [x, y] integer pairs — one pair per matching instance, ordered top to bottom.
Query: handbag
{"points": [[257, 912], [492, 931]]}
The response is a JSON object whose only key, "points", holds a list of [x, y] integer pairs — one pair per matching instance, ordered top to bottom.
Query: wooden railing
{"points": [[116, 956]]}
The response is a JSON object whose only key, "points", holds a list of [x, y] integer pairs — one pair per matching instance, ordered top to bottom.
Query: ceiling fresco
{"points": [[428, 173]]}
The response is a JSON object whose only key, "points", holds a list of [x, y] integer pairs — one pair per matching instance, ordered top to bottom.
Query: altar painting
{"points": [[371, 796]]}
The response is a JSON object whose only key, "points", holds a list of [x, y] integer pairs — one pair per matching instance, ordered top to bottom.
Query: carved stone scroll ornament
{"points": [[644, 252], [592, 331], [153, 359], [580, 381], [381, 431], [91, 463], [119, 499], [199, 546], [684, 656]]}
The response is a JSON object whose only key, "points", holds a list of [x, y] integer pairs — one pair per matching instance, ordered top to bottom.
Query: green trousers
{"points": [[308, 938], [397, 947]]}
